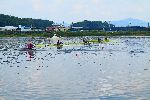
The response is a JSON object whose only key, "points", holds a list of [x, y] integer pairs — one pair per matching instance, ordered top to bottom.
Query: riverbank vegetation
{"points": [[102, 33], [74, 34]]}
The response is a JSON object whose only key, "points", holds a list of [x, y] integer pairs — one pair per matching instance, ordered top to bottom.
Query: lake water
{"points": [[118, 70]]}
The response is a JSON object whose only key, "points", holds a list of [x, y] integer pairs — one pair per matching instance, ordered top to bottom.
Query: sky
{"points": [[77, 10]]}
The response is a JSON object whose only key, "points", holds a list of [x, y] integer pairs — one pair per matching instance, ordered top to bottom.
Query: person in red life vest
{"points": [[30, 45]]}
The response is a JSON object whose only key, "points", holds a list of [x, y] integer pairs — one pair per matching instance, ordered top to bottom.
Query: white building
{"points": [[8, 28], [25, 29]]}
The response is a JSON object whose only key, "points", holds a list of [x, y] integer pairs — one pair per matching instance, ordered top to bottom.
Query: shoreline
{"points": [[130, 34], [80, 36]]}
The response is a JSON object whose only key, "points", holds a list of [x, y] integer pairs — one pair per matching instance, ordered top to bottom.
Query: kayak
{"points": [[96, 41], [70, 44], [75, 44], [47, 45], [52, 45], [55, 45], [26, 49]]}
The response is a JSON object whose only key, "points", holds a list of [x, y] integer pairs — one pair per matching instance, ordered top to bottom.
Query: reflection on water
{"points": [[118, 70]]}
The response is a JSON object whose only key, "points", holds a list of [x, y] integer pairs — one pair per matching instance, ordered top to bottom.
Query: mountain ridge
{"points": [[130, 22]]}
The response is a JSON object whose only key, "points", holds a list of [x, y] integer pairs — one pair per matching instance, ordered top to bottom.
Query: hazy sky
{"points": [[77, 10]]}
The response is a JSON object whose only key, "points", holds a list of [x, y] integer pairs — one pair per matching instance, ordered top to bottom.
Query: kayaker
{"points": [[106, 39], [99, 40], [85, 41], [59, 43], [30, 45]]}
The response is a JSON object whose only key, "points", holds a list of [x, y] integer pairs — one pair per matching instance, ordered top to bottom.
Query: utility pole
{"points": [[63, 23], [129, 24], [109, 26]]}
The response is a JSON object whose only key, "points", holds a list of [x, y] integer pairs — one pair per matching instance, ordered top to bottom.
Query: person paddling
{"points": [[106, 39], [99, 40], [84, 41], [59, 44], [30, 45]]}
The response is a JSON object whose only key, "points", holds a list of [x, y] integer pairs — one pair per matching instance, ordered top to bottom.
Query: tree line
{"points": [[6, 20], [93, 25]]}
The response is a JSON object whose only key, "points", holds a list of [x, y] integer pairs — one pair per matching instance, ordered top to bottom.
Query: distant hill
{"points": [[6, 20], [129, 22], [93, 25]]}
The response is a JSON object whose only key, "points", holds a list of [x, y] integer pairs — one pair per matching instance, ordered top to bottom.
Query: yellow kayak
{"points": [[96, 41], [73, 44]]}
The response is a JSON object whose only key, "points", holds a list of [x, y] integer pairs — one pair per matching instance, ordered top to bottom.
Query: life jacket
{"points": [[30, 46]]}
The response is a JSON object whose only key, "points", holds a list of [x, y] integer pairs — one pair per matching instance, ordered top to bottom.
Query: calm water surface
{"points": [[119, 71]]}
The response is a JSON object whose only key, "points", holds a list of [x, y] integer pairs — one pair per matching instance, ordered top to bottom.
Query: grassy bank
{"points": [[24, 34], [75, 34]]}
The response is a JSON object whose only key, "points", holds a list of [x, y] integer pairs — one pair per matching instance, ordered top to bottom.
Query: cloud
{"points": [[38, 5], [75, 10]]}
